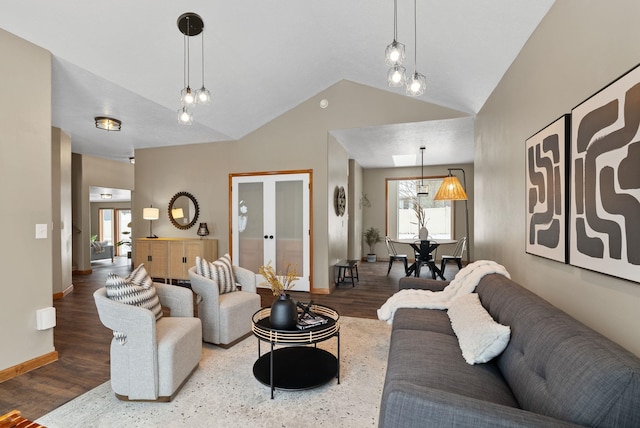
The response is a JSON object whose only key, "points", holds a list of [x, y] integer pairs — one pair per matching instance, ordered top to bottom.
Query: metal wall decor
{"points": [[340, 200]]}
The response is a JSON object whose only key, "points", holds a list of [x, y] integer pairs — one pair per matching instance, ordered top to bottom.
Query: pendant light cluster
{"points": [[190, 24], [394, 57]]}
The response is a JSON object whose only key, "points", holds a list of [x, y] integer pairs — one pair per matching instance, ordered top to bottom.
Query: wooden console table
{"points": [[171, 258]]}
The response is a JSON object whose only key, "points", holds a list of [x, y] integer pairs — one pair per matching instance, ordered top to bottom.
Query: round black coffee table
{"points": [[296, 367]]}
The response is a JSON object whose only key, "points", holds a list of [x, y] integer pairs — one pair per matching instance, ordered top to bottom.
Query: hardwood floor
{"points": [[83, 342]]}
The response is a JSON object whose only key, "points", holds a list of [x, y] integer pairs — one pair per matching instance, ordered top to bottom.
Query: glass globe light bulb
{"points": [[396, 76], [203, 96], [187, 97], [184, 116]]}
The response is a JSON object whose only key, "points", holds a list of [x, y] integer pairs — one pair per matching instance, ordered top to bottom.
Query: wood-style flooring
{"points": [[83, 342]]}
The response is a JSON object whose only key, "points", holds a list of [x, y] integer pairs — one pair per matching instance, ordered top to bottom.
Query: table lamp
{"points": [[151, 214]]}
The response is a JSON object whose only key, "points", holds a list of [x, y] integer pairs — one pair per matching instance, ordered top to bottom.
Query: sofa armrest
{"points": [[246, 278], [408, 282], [207, 291], [178, 299], [128, 319], [408, 405]]}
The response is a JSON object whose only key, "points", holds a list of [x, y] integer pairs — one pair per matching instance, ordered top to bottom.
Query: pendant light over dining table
{"points": [[190, 24], [422, 192]]}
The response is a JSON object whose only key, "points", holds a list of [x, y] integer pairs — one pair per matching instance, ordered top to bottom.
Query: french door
{"points": [[270, 222]]}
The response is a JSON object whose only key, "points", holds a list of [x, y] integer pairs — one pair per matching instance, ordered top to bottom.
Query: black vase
{"points": [[284, 314]]}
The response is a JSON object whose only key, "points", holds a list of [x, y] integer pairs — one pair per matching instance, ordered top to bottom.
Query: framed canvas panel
{"points": [[605, 180], [546, 191]]}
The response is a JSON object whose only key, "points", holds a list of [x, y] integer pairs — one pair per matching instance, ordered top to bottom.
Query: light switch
{"points": [[41, 231]]}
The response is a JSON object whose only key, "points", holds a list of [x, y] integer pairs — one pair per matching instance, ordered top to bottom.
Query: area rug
{"points": [[223, 392]]}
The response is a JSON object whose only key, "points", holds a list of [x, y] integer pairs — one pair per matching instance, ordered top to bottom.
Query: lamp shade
{"points": [[451, 190], [150, 213]]}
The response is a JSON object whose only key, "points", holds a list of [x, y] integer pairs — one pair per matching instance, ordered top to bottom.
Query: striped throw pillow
{"points": [[220, 271], [139, 276], [124, 290]]}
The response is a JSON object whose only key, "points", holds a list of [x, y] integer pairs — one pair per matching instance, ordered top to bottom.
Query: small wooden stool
{"points": [[344, 266]]}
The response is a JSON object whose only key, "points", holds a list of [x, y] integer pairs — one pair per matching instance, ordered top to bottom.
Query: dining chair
{"points": [[393, 255], [456, 256]]}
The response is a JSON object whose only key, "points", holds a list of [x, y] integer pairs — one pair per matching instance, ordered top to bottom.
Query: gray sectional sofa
{"points": [[554, 372]]}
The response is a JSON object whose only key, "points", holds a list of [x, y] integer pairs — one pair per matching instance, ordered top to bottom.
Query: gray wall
{"points": [[580, 47], [298, 139], [25, 181], [61, 211]]}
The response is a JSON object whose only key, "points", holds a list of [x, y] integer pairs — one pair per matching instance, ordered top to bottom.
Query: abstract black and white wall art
{"points": [[546, 190], [604, 229]]}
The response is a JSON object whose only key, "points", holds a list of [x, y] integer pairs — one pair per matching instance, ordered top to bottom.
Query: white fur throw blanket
{"points": [[464, 282]]}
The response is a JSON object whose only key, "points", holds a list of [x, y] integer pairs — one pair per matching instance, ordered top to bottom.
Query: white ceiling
{"points": [[263, 57], [107, 194]]}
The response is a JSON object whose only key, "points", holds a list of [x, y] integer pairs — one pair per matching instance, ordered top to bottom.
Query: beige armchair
{"points": [[226, 318], [157, 357]]}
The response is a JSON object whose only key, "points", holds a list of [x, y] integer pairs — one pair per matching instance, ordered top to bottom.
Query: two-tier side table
{"points": [[297, 365]]}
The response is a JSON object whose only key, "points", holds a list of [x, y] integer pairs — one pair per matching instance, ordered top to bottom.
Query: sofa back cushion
{"points": [[559, 367]]}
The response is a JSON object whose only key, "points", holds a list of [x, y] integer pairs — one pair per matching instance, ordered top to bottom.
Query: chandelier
{"points": [[190, 24]]}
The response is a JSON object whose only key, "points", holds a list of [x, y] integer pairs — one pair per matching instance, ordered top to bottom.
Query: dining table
{"points": [[423, 248]]}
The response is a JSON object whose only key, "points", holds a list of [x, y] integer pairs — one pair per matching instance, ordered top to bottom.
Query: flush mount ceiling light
{"points": [[190, 24], [394, 55], [417, 83], [107, 123]]}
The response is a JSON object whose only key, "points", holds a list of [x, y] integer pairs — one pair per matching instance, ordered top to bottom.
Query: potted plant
{"points": [[372, 237]]}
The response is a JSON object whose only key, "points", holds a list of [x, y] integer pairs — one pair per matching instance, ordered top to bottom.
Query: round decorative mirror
{"points": [[183, 210]]}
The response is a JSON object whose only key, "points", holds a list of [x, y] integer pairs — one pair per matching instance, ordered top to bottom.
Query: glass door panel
{"points": [[270, 222], [250, 225], [289, 226], [124, 231]]}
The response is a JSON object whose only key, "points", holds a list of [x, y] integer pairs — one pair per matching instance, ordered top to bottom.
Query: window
{"points": [[406, 213]]}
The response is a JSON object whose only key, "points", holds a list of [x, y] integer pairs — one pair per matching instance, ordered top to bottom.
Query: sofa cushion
{"points": [[220, 271], [422, 319], [479, 336], [434, 360], [557, 366]]}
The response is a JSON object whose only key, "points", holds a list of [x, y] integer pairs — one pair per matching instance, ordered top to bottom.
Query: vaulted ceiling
{"points": [[262, 58]]}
